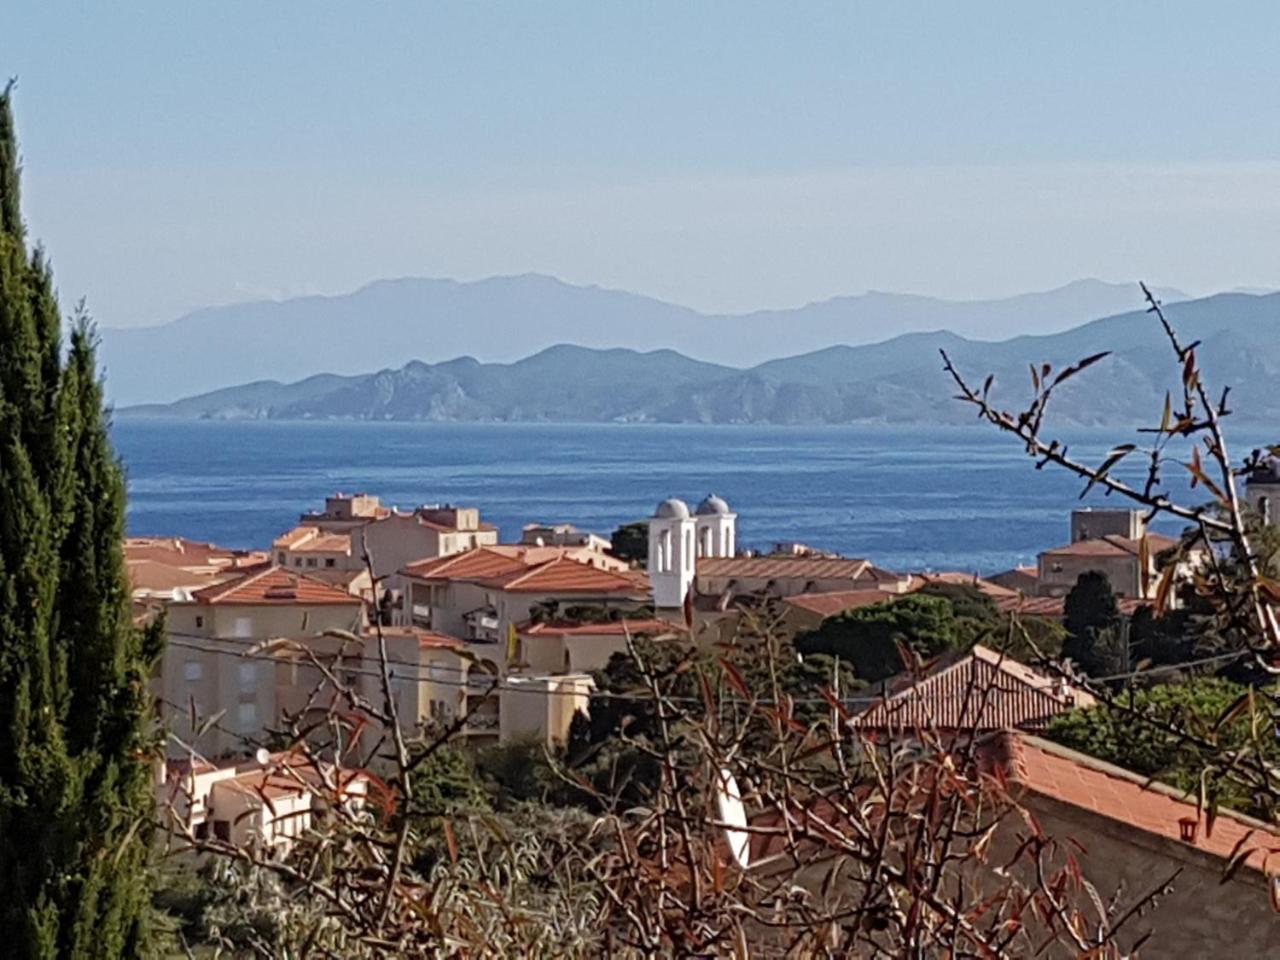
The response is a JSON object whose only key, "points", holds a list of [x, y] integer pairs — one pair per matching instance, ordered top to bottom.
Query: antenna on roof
{"points": [[733, 818]]}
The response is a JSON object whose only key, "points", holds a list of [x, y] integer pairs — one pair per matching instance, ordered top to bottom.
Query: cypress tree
{"points": [[76, 800]]}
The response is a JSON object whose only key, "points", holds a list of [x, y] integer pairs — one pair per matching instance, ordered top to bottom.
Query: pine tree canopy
{"points": [[76, 796]]}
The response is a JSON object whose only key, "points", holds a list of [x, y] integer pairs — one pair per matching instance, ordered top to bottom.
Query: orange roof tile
{"points": [[326, 543], [1113, 546], [181, 552], [474, 564], [793, 568], [566, 575], [961, 579], [275, 585], [838, 601], [612, 628], [426, 638], [982, 689], [1053, 771]]}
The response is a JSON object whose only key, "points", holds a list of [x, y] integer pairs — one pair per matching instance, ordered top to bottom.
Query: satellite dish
{"points": [[263, 756], [733, 818]]}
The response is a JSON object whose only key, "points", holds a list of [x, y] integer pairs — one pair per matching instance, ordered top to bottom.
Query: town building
{"points": [[1262, 487], [562, 535], [338, 537], [1115, 543], [171, 568], [210, 667], [518, 681], [979, 690], [266, 802], [1128, 835]]}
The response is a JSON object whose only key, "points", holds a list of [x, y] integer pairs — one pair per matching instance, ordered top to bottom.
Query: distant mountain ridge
{"points": [[502, 319], [899, 380]]}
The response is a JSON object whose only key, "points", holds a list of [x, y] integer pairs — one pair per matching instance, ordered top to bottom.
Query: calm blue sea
{"points": [[909, 498]]}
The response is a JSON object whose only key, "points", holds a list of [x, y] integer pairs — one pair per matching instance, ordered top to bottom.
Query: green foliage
{"points": [[631, 542], [967, 601], [1092, 619], [868, 637], [1140, 733], [609, 748], [517, 772], [447, 782], [75, 785]]}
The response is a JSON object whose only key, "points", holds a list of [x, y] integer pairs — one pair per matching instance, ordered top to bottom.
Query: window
{"points": [[280, 558], [297, 561], [311, 561], [329, 562], [199, 622], [192, 671], [248, 673], [247, 716], [222, 830]]}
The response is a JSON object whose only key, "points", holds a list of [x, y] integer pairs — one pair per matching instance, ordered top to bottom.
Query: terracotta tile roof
{"points": [[291, 538], [326, 543], [1112, 546], [181, 552], [498, 560], [476, 564], [792, 568], [566, 575], [154, 576], [960, 579], [274, 585], [838, 601], [1049, 607], [1054, 608], [612, 628], [426, 638], [980, 690], [1033, 767], [1053, 771]]}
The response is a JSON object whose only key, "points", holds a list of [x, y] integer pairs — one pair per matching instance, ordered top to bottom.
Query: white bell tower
{"points": [[717, 528], [672, 553]]}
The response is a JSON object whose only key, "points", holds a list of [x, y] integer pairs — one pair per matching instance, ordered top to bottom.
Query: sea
{"points": [[908, 498]]}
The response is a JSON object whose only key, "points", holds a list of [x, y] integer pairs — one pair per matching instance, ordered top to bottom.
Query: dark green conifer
{"points": [[75, 792]]}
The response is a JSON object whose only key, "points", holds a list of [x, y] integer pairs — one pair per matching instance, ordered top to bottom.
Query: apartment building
{"points": [[337, 537], [213, 665]]}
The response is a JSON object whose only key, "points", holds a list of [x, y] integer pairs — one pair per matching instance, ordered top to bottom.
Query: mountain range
{"points": [[502, 319], [898, 380]]}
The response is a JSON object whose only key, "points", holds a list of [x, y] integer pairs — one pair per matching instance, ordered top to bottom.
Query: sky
{"points": [[725, 156]]}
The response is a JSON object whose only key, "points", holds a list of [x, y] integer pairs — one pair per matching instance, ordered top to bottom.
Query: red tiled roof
{"points": [[326, 543], [1112, 546], [181, 552], [477, 564], [791, 568], [153, 575], [565, 575], [960, 579], [275, 585], [838, 601], [1054, 608], [612, 628], [426, 638], [982, 690], [1053, 771]]}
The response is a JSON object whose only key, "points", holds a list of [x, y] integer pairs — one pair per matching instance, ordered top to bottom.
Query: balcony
{"points": [[420, 614]]}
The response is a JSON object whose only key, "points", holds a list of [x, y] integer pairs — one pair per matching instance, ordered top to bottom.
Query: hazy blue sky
{"points": [[723, 155]]}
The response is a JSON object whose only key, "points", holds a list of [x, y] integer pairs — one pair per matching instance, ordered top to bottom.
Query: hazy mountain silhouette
{"points": [[502, 319], [898, 380]]}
